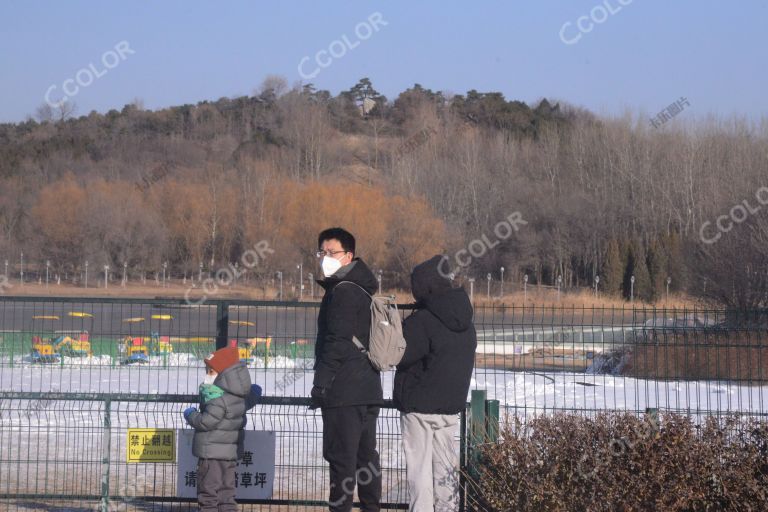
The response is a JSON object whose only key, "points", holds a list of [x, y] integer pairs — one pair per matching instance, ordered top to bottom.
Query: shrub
{"points": [[619, 462]]}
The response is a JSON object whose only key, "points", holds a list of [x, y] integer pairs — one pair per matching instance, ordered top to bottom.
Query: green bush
{"points": [[619, 462]]}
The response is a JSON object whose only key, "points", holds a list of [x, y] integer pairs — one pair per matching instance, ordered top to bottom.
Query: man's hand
{"points": [[317, 397]]}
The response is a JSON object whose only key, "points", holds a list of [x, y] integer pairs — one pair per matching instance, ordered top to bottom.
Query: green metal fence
{"points": [[63, 419], [68, 452]]}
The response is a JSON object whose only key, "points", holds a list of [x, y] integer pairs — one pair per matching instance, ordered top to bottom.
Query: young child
{"points": [[225, 395]]}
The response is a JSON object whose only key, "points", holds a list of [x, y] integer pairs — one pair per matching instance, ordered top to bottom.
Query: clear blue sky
{"points": [[643, 57]]}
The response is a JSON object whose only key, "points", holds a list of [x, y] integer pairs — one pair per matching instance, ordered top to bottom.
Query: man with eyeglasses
{"points": [[346, 387]]}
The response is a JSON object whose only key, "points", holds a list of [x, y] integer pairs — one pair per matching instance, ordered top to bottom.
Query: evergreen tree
{"points": [[363, 91], [638, 267], [676, 267], [657, 268], [613, 269]]}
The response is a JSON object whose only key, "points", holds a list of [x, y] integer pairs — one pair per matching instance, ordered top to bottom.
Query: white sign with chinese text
{"points": [[254, 474]]}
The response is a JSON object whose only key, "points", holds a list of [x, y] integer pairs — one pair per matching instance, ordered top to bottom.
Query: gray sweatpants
{"points": [[432, 461], [216, 485]]}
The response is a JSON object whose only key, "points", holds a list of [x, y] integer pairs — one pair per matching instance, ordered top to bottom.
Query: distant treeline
{"points": [[422, 173]]}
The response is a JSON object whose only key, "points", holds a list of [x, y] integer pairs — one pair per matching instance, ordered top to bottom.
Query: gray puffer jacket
{"points": [[219, 423]]}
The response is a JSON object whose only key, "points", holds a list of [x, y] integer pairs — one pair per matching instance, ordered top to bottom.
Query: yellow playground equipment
{"points": [[140, 349], [247, 349], [50, 351], [42, 352]]}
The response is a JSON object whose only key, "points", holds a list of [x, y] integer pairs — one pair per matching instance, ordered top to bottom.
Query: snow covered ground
{"points": [[531, 391]]}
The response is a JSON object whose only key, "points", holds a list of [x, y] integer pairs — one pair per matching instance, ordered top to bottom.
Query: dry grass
{"points": [[175, 289], [136, 290], [580, 298], [702, 355], [536, 360]]}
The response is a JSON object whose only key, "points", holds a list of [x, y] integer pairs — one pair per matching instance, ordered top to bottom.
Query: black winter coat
{"points": [[436, 370], [345, 373]]}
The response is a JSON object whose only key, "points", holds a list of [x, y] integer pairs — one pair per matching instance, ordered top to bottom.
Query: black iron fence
{"points": [[76, 374], [69, 452]]}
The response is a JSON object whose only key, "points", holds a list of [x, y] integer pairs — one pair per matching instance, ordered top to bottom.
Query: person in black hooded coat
{"points": [[431, 385]]}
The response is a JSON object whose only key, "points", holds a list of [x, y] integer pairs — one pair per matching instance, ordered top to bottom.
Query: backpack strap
{"points": [[350, 282], [356, 341]]}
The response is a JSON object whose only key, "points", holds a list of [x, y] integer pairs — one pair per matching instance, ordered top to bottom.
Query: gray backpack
{"points": [[386, 342]]}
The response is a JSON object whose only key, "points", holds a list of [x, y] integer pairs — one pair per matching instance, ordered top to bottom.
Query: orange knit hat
{"points": [[222, 359]]}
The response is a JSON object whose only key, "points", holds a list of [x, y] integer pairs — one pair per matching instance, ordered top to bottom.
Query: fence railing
{"points": [[145, 359], [72, 449]]}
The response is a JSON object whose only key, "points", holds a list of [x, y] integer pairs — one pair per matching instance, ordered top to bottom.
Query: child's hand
{"points": [[253, 397], [188, 411]]}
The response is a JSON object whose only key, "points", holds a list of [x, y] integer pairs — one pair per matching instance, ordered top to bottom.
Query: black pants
{"points": [[349, 446], [216, 485]]}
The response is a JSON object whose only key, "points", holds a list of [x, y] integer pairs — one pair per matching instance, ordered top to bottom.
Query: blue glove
{"points": [[255, 389], [188, 411]]}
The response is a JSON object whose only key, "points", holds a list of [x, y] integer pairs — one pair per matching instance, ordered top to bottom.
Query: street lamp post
{"points": [[300, 266], [165, 267], [6, 270], [47, 270], [86, 273], [125, 273], [200, 273], [21, 275], [106, 276], [280, 277], [311, 278], [378, 278], [488, 278], [597, 280], [669, 281], [559, 283], [525, 288], [472, 289], [632, 289], [501, 293]]}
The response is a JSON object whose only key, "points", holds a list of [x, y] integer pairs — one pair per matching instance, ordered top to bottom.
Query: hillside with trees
{"points": [[414, 175]]}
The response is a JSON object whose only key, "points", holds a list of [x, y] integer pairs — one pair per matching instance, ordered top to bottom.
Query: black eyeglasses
{"points": [[320, 254]]}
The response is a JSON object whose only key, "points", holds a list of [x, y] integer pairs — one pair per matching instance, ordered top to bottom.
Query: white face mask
{"points": [[330, 265], [209, 379]]}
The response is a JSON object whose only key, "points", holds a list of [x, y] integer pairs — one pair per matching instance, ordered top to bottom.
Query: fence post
{"points": [[222, 324], [477, 418], [491, 421], [477, 435], [106, 445], [463, 461]]}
